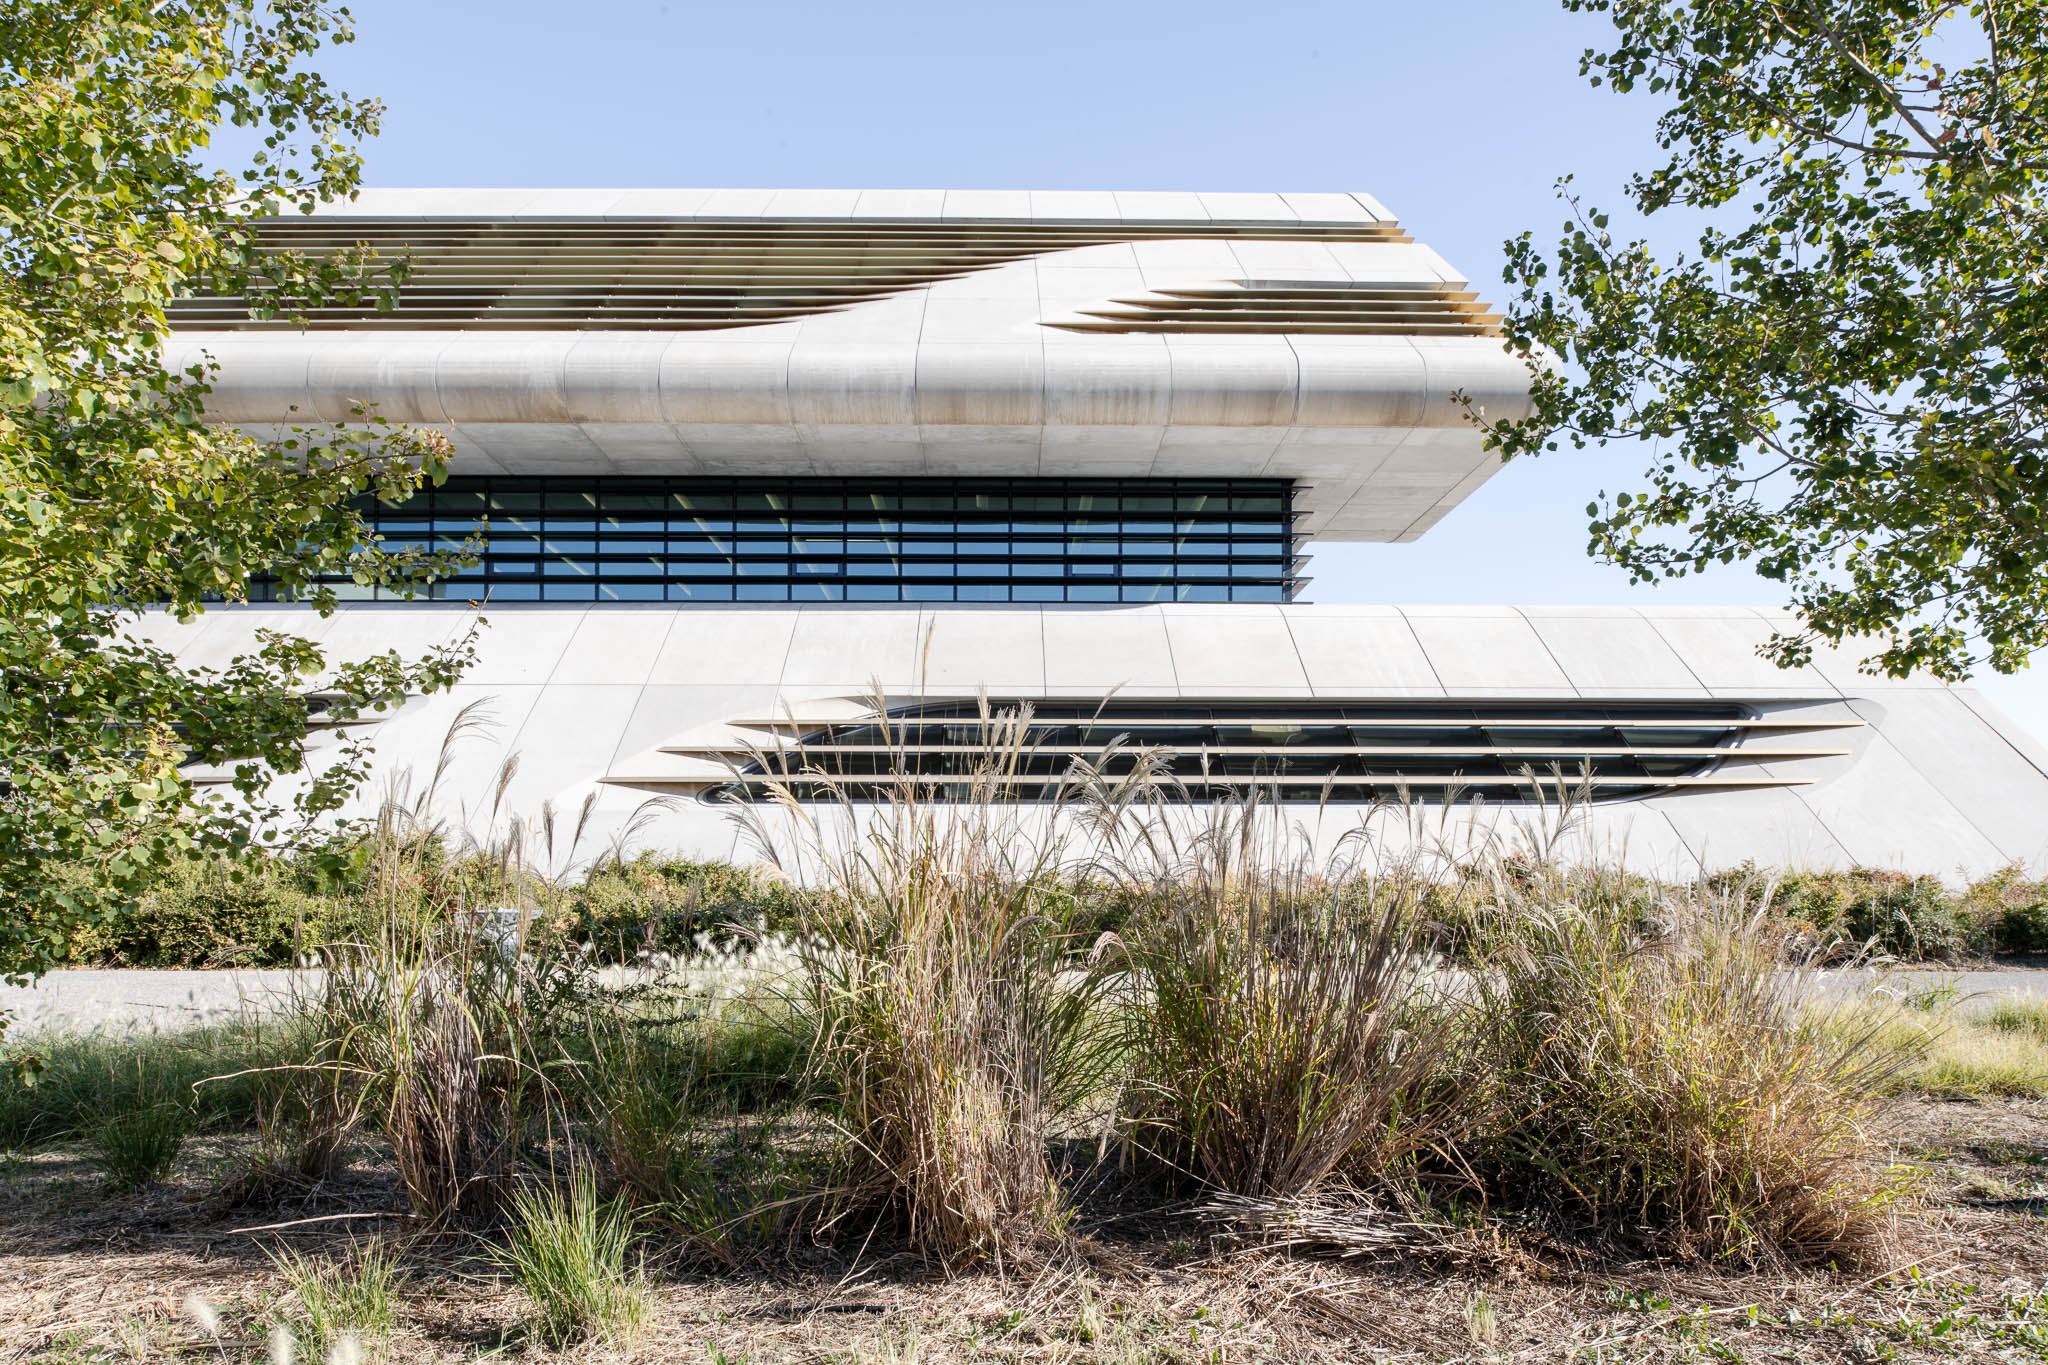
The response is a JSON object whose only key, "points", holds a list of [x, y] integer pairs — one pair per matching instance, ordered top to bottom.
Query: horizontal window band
{"points": [[913, 539], [771, 573], [1401, 721], [1338, 750], [1291, 751], [1388, 785]]}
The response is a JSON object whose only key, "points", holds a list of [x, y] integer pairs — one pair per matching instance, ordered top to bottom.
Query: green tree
{"points": [[1844, 384], [114, 493]]}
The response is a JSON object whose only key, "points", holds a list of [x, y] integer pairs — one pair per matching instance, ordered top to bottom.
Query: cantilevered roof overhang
{"points": [[1009, 333]]}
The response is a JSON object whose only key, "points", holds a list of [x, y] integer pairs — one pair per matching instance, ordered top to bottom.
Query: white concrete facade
{"points": [[980, 373], [972, 375], [1930, 779]]}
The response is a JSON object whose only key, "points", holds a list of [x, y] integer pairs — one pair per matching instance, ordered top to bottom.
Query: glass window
{"points": [[977, 539]]}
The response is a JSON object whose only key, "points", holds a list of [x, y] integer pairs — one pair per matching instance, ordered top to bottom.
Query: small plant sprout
{"points": [[1482, 1323]]}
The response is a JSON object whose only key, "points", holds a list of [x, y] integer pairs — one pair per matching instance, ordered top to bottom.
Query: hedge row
{"points": [[270, 913]]}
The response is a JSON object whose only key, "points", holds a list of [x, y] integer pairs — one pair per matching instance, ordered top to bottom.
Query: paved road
{"points": [[1970, 986], [162, 1001], [166, 1001]]}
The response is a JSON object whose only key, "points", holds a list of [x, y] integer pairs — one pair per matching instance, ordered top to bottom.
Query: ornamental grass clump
{"points": [[958, 1009], [435, 1028], [1286, 1029], [1677, 1090], [138, 1145], [568, 1250], [336, 1300]]}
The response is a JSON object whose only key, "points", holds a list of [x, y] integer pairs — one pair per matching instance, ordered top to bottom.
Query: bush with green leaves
{"points": [[661, 904], [2011, 910], [214, 912], [1899, 915]]}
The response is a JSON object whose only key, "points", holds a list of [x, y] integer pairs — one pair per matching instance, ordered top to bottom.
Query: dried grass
{"points": [[954, 1005], [1286, 1026], [1671, 1090]]}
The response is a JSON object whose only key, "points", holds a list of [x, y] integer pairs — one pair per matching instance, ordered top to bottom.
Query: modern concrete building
{"points": [[744, 457]]}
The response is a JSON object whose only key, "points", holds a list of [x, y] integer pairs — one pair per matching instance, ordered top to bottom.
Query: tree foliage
{"points": [[1844, 385], [116, 496]]}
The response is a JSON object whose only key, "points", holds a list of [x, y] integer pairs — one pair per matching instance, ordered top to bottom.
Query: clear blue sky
{"points": [[1459, 115]]}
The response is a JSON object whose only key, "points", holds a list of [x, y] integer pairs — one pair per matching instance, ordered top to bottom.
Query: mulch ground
{"points": [[86, 1276]]}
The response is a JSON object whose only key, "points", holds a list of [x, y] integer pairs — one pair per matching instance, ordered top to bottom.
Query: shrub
{"points": [[668, 905], [215, 911], [2013, 911], [1905, 917], [2024, 928], [1287, 1028], [428, 1029], [1670, 1091], [568, 1252], [354, 1298]]}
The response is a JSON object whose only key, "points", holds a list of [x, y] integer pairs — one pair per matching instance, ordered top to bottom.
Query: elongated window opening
{"points": [[564, 539], [1295, 750]]}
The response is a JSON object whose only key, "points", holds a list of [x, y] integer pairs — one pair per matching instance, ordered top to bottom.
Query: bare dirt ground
{"points": [[90, 1277]]}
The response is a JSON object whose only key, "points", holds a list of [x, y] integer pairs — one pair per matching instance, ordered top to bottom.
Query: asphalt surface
{"points": [[135, 1000], [167, 1001]]}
